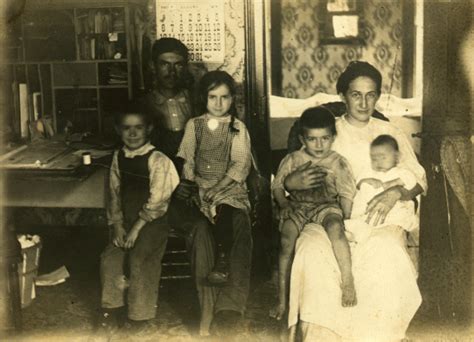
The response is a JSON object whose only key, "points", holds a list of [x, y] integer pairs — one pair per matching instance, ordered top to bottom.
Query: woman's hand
{"points": [[305, 177], [379, 206], [118, 235]]}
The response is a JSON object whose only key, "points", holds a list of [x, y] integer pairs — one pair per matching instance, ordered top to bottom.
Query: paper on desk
{"points": [[95, 154], [56, 277]]}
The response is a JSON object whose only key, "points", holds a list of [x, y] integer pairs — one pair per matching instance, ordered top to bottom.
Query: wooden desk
{"points": [[46, 174], [56, 192]]}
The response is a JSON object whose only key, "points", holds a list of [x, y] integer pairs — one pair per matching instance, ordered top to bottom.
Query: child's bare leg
{"points": [[335, 230], [289, 234]]}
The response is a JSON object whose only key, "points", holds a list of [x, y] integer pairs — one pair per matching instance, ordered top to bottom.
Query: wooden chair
{"points": [[175, 264]]}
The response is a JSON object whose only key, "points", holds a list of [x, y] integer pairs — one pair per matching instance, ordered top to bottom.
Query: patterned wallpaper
{"points": [[234, 47], [309, 68]]}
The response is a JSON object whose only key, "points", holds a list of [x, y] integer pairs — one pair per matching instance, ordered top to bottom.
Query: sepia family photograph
{"points": [[236, 170]]}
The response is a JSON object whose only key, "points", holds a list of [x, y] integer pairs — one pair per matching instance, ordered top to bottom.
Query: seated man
{"points": [[170, 103]]}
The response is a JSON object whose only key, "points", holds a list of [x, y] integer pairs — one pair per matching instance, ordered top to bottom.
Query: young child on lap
{"points": [[383, 174], [327, 204]]}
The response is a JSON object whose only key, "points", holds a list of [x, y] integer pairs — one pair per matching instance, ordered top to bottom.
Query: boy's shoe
{"points": [[220, 274]]}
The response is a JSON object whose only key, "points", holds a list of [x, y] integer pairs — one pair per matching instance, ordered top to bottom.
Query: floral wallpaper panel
{"points": [[309, 68]]}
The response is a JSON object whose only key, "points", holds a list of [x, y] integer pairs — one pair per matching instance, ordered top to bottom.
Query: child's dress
{"points": [[210, 151], [313, 205], [402, 214]]}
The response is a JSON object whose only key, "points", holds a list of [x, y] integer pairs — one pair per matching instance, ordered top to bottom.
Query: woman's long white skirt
{"points": [[385, 281]]}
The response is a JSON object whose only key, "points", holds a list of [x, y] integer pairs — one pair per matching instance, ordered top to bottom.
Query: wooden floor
{"points": [[67, 312]]}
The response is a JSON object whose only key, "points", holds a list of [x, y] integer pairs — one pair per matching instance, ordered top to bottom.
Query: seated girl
{"points": [[217, 157]]}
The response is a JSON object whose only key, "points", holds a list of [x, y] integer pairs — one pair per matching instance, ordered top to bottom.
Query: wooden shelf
{"points": [[99, 33], [121, 60], [54, 73], [109, 86], [113, 86], [76, 87], [87, 109]]}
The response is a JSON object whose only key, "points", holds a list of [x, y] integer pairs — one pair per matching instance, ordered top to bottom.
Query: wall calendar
{"points": [[198, 24]]}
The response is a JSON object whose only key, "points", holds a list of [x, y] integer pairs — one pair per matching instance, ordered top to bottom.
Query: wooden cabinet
{"points": [[76, 59]]}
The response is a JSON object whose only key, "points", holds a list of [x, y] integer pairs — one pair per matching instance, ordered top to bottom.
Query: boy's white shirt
{"points": [[139, 151], [163, 181]]}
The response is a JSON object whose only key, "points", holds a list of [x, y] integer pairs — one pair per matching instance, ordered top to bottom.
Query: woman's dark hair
{"points": [[164, 45], [358, 69], [212, 80], [136, 107], [317, 117], [385, 139]]}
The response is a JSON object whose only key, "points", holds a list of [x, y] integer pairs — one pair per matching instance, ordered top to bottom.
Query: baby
{"points": [[383, 174]]}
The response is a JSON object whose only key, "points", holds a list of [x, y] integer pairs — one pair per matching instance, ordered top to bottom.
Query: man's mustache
{"points": [[170, 77]]}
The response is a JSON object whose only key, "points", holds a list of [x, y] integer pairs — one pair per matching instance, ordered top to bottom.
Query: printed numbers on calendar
{"points": [[200, 26]]}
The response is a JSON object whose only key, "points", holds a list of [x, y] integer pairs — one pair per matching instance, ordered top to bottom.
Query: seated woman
{"points": [[384, 277]]}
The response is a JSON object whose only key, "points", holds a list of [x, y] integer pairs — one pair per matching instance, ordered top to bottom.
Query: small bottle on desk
{"points": [[86, 158]]}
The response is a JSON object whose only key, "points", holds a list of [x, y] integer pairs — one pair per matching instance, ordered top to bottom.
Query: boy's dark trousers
{"points": [[143, 260], [144, 263]]}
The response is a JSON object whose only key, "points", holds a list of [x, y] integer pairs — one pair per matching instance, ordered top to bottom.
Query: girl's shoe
{"points": [[220, 274]]}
